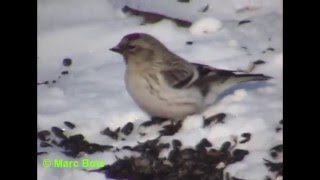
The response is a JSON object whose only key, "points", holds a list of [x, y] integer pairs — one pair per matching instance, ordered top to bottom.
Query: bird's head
{"points": [[139, 47]]}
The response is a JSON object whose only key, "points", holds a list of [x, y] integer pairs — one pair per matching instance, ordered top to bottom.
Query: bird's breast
{"points": [[155, 97]]}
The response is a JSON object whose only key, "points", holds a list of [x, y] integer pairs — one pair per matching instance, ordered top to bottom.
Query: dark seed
{"points": [[184, 1], [205, 8], [243, 22], [189, 42], [270, 49], [67, 62], [258, 62], [65, 72], [54, 81], [46, 82], [218, 118], [154, 120], [281, 121], [69, 124], [127, 129], [278, 129], [169, 130], [58, 132], [111, 134], [142, 134], [42, 135], [247, 137], [76, 138], [54, 142], [204, 143], [45, 144], [176, 144], [164, 146], [225, 146], [98, 148], [127, 148], [278, 148], [41, 153], [70, 153], [188, 153], [239, 154], [274, 154], [273, 166], [235, 178], [267, 178]]}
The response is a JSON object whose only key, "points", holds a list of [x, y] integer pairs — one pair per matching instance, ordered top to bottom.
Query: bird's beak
{"points": [[117, 49]]}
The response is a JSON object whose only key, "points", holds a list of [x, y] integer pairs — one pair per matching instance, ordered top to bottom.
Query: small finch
{"points": [[165, 85]]}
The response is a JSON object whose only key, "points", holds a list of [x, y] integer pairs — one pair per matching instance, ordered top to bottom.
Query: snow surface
{"points": [[205, 26], [93, 95]]}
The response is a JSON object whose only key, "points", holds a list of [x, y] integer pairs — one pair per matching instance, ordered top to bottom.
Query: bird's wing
{"points": [[205, 70], [178, 73], [209, 76], [177, 77]]}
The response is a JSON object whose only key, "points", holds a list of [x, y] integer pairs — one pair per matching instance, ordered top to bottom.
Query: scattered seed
{"points": [[184, 1], [205, 9], [243, 22], [67, 62], [258, 62], [65, 72], [218, 118], [154, 120], [69, 124], [127, 129], [169, 130], [58, 132], [43, 134], [111, 134], [247, 137], [204, 143], [45, 144], [176, 144], [225, 146], [278, 148], [41, 153], [239, 154], [274, 154]]}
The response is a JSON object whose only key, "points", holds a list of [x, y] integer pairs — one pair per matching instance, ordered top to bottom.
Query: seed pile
{"points": [[199, 162]]}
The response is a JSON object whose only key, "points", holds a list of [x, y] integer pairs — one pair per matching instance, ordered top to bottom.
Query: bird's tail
{"points": [[251, 77], [228, 81]]}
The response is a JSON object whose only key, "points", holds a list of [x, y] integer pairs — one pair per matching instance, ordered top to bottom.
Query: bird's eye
{"points": [[130, 47]]}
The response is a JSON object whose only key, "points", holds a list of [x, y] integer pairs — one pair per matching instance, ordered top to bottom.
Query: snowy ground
{"points": [[93, 95]]}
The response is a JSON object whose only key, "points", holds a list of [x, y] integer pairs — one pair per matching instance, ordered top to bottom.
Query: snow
{"points": [[205, 26], [93, 95]]}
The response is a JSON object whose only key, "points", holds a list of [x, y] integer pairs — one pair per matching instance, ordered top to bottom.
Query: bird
{"points": [[165, 85]]}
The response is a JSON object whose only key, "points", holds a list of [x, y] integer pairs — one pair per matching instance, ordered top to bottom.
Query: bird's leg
{"points": [[171, 122]]}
